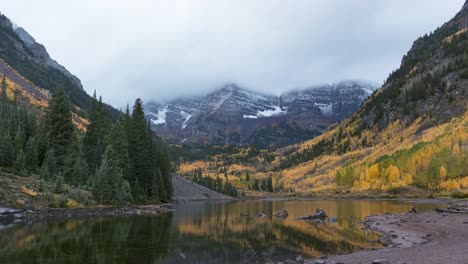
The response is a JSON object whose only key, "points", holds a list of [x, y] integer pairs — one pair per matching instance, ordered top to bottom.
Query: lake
{"points": [[203, 232]]}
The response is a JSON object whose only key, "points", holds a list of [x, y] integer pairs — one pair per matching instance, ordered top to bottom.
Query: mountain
{"points": [[21, 57], [234, 115], [412, 132]]}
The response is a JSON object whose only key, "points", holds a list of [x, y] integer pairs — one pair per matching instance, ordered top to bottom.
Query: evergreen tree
{"points": [[59, 127], [93, 141], [119, 141], [140, 151], [8, 152], [32, 161], [50, 163], [20, 164], [44, 172], [58, 184], [256, 185], [269, 185], [109, 187]]}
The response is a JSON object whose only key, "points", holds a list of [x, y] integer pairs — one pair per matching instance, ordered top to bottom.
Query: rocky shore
{"points": [[12, 216], [413, 238]]}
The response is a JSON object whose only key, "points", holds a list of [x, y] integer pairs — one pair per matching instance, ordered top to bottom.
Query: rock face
{"points": [[35, 51], [41, 56], [28, 64], [233, 115]]}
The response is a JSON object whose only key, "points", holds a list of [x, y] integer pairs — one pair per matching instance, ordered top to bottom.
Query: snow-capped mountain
{"points": [[234, 115]]}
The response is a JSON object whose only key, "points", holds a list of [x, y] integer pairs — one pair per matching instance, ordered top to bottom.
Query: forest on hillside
{"points": [[120, 162]]}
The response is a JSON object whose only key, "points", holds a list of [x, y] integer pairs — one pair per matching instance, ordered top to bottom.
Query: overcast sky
{"points": [[163, 49]]}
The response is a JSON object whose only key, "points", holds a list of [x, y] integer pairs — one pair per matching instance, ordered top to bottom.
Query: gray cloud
{"points": [[163, 49]]}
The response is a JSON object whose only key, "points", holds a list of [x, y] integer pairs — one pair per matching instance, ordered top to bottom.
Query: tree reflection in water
{"points": [[201, 233]]}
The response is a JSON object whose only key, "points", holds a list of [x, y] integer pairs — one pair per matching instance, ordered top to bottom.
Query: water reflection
{"points": [[201, 233], [123, 240]]}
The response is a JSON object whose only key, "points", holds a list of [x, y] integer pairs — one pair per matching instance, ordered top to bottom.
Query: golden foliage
{"points": [[28, 191], [71, 203]]}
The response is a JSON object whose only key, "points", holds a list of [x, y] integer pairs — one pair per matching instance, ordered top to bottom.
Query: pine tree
{"points": [[59, 127], [93, 141], [119, 141], [140, 149], [8, 151], [32, 161], [50, 163], [20, 164], [80, 170], [44, 173], [58, 184], [269, 184], [256, 185], [109, 187]]}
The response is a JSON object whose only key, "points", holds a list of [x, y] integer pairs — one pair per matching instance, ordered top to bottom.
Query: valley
{"points": [[246, 155]]}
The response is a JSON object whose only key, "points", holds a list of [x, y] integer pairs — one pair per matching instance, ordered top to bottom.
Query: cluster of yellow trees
{"points": [[440, 164]]}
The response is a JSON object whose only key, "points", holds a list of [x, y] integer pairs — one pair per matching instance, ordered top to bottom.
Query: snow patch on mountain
{"points": [[326, 109], [267, 113], [160, 116], [250, 116], [186, 117]]}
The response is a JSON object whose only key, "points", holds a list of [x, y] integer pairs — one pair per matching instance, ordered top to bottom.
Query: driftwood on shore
{"points": [[453, 210], [319, 215]]}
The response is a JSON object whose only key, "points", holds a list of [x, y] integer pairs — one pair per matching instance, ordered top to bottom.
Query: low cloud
{"points": [[158, 50]]}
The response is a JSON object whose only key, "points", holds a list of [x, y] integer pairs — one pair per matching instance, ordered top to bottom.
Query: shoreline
{"points": [[14, 216], [416, 238]]}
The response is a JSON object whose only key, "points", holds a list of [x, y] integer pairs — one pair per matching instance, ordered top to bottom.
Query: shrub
{"points": [[459, 194]]}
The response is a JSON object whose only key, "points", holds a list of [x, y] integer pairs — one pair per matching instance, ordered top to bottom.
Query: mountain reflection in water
{"points": [[202, 233]]}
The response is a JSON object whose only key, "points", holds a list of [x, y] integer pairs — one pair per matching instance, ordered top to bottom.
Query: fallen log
{"points": [[452, 210], [281, 213], [319, 215]]}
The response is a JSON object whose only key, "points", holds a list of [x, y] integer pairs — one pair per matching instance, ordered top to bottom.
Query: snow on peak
{"points": [[267, 113], [160, 116]]}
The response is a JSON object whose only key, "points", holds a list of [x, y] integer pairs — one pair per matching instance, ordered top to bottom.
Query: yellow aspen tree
{"points": [[456, 149], [443, 173]]}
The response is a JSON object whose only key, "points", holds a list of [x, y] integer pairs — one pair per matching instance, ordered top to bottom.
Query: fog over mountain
{"points": [[165, 49]]}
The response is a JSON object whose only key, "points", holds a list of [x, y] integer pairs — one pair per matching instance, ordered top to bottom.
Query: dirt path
{"points": [[421, 238]]}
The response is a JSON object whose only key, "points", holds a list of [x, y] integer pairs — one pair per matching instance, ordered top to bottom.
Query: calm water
{"points": [[201, 233]]}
